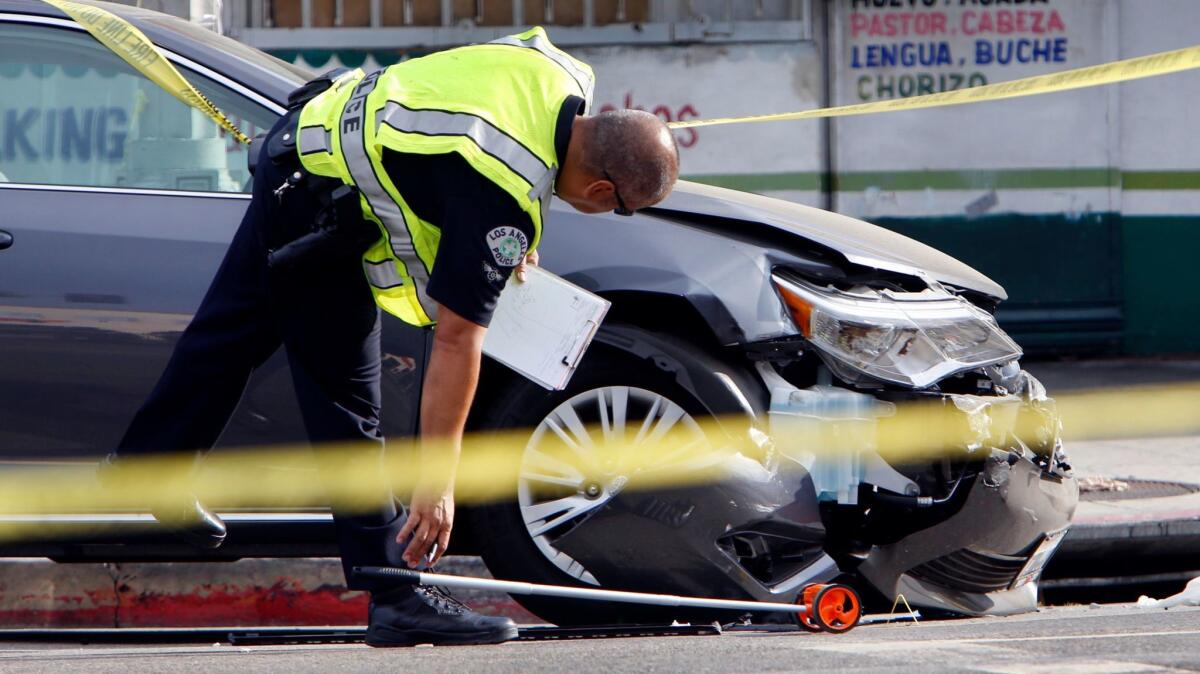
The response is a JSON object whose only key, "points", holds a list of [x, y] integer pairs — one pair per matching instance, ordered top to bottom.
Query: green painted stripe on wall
{"points": [[1001, 179], [1160, 180]]}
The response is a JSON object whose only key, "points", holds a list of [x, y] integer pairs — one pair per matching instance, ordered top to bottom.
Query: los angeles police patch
{"points": [[508, 245]]}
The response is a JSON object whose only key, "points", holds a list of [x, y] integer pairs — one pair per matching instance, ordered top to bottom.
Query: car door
{"points": [[120, 202]]}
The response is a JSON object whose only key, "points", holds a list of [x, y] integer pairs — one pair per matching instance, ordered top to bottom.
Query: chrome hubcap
{"points": [[563, 477]]}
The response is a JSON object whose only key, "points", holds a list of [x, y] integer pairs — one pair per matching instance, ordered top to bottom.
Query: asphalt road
{"points": [[1109, 640]]}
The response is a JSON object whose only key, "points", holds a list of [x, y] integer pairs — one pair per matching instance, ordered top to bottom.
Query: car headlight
{"points": [[912, 339]]}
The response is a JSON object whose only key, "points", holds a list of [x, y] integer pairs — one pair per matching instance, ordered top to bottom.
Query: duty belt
{"points": [[339, 228]]}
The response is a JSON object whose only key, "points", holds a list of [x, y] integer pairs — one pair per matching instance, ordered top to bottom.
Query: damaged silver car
{"points": [[758, 313], [788, 318]]}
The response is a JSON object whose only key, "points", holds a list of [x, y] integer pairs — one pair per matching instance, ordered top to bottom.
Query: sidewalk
{"points": [[1139, 510], [1124, 535], [1147, 535]]}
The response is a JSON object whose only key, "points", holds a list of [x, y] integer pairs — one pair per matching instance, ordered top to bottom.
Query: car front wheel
{"points": [[614, 396]]}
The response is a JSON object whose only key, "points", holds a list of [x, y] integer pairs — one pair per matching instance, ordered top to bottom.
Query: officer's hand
{"points": [[530, 259], [430, 519]]}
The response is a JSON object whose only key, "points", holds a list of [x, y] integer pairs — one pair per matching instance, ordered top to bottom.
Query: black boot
{"points": [[188, 518], [419, 614]]}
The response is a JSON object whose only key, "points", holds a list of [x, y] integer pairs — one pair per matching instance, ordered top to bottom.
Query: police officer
{"points": [[417, 189]]}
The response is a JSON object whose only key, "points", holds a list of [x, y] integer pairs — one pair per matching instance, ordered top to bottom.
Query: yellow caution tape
{"points": [[126, 41], [140, 52], [1107, 73], [352, 477]]}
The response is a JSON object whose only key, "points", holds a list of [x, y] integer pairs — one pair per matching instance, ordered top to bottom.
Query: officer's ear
{"points": [[599, 190], [584, 192]]}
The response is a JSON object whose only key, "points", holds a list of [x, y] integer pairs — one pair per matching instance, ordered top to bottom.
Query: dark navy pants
{"points": [[326, 318]]}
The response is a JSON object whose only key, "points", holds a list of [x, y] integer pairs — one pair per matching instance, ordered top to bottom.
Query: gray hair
{"points": [[628, 146]]}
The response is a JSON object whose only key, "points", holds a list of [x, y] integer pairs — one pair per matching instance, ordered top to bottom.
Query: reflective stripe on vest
{"points": [[539, 42], [496, 105], [315, 139], [354, 149], [513, 154], [382, 274]]}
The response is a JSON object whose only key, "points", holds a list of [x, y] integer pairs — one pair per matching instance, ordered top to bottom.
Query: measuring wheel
{"points": [[807, 597], [826, 608], [835, 608]]}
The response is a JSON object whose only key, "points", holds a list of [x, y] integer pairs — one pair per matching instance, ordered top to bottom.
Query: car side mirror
{"points": [[6, 240]]}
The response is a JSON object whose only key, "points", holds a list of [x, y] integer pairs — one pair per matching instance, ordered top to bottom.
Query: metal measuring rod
{"points": [[821, 607]]}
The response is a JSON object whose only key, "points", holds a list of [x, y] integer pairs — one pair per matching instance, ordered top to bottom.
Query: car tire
{"points": [[508, 546]]}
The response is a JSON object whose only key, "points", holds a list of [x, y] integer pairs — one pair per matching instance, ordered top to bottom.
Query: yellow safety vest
{"points": [[496, 104]]}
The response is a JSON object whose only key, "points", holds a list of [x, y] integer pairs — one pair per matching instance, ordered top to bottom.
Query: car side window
{"points": [[73, 113]]}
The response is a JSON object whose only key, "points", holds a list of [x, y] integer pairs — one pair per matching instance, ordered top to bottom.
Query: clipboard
{"points": [[542, 327]]}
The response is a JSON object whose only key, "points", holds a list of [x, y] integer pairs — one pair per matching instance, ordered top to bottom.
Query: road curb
{"points": [[1136, 518], [1182, 523], [1132, 538], [37, 592], [40, 593]]}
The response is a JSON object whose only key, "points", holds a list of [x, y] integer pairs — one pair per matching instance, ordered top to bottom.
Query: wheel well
{"points": [[654, 312], [662, 313], [666, 315]]}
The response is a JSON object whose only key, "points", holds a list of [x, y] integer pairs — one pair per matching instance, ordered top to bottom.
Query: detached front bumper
{"points": [[985, 555], [987, 558]]}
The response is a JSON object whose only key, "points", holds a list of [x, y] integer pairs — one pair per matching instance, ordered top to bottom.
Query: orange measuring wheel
{"points": [[807, 596], [835, 608]]}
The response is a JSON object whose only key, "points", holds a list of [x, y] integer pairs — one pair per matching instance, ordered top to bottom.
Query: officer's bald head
{"points": [[638, 150], [629, 153]]}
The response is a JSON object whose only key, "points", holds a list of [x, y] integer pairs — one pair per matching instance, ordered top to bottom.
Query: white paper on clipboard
{"points": [[542, 327]]}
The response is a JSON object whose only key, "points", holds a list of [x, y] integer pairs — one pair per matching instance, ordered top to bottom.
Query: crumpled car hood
{"points": [[860, 242]]}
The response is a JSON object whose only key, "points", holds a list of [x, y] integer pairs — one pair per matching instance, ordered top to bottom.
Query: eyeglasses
{"points": [[621, 208]]}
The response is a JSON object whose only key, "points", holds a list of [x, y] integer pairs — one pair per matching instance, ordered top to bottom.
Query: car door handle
{"points": [[6, 239]]}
